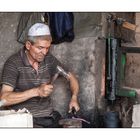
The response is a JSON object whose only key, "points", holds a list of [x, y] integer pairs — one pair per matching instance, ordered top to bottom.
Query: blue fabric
{"points": [[61, 26]]}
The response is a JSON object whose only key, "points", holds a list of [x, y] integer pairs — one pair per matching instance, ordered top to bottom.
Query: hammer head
{"points": [[62, 71]]}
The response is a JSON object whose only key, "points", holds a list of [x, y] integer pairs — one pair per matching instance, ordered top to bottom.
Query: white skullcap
{"points": [[39, 29]]}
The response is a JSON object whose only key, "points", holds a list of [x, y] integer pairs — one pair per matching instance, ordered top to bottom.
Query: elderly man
{"points": [[27, 75]]}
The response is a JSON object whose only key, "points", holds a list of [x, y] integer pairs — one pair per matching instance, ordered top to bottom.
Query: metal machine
{"points": [[115, 61]]}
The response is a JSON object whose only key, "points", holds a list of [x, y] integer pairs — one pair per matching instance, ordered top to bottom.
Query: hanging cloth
{"points": [[26, 21], [61, 26]]}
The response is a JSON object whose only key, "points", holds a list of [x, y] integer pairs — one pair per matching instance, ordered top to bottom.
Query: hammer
{"points": [[61, 71]]}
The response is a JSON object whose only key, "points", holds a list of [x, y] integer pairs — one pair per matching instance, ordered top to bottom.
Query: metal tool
{"points": [[61, 71], [76, 117]]}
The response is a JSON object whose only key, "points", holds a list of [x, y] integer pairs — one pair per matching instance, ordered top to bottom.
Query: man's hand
{"points": [[45, 90], [74, 103]]}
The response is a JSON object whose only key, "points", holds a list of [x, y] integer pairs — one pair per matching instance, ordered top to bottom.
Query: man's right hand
{"points": [[45, 90], [11, 97]]}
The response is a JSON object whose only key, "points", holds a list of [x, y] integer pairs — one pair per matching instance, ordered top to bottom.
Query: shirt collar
{"points": [[24, 57]]}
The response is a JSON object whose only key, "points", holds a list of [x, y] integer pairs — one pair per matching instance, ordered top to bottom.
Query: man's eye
{"points": [[40, 48]]}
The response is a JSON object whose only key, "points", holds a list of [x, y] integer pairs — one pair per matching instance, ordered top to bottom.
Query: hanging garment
{"points": [[26, 21], [61, 26]]}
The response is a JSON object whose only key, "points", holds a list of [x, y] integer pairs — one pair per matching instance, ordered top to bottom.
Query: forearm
{"points": [[74, 86], [75, 90], [11, 97]]}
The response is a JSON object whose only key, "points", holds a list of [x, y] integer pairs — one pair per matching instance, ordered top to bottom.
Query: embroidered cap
{"points": [[39, 29]]}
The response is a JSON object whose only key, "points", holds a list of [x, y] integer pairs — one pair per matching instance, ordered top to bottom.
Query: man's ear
{"points": [[28, 45]]}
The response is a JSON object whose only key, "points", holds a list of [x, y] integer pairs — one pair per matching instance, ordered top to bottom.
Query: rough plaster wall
{"points": [[87, 24], [8, 43], [80, 56]]}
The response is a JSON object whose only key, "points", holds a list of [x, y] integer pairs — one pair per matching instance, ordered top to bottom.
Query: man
{"points": [[27, 75]]}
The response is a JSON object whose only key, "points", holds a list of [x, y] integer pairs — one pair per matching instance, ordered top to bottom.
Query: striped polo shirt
{"points": [[19, 74]]}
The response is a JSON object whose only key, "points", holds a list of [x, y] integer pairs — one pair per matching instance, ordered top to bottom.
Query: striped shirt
{"points": [[19, 74]]}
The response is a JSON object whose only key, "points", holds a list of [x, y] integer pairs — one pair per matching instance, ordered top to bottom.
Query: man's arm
{"points": [[74, 86], [10, 97]]}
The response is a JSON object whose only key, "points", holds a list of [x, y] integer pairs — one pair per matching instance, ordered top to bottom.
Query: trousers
{"points": [[51, 121]]}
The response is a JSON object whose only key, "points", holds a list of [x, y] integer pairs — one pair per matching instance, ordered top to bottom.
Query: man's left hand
{"points": [[74, 103]]}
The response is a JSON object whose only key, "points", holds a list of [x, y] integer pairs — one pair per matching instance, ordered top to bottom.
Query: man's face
{"points": [[38, 50]]}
